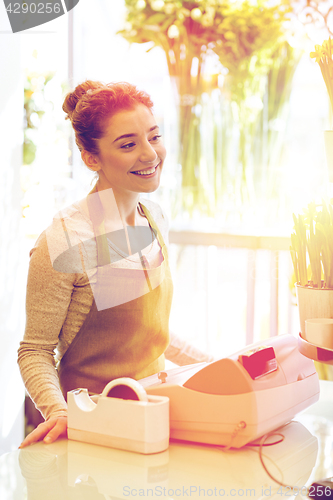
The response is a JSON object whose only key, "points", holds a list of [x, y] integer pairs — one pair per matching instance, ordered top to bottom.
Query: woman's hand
{"points": [[49, 431]]}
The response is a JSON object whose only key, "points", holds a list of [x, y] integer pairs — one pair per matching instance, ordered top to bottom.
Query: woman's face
{"points": [[131, 152]]}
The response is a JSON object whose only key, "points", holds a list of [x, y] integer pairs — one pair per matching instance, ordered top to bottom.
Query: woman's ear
{"points": [[90, 160]]}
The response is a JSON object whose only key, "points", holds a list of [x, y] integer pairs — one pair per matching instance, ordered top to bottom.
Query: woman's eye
{"points": [[155, 138], [128, 145]]}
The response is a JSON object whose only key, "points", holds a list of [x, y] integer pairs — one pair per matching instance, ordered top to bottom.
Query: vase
{"points": [[328, 136], [313, 303]]}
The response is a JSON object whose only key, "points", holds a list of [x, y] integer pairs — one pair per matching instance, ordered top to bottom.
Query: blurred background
{"points": [[242, 108]]}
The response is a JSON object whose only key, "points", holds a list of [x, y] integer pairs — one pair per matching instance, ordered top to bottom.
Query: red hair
{"points": [[92, 103]]}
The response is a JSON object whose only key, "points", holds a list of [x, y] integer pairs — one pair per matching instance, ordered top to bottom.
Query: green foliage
{"points": [[234, 30], [243, 34], [224, 58], [34, 109], [29, 151], [312, 241]]}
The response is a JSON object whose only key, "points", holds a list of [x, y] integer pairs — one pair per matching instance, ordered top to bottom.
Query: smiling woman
{"points": [[131, 153], [99, 286]]}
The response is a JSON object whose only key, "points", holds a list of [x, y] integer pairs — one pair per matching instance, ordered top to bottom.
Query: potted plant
{"points": [[324, 57], [312, 255]]}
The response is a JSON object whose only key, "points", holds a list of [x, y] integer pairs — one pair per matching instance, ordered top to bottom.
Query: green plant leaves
{"points": [[312, 242], [298, 250]]}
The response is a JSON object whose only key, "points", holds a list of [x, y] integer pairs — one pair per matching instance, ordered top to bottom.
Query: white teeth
{"points": [[146, 172]]}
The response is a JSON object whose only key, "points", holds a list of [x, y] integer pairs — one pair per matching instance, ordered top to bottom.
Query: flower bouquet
{"points": [[219, 54], [324, 57]]}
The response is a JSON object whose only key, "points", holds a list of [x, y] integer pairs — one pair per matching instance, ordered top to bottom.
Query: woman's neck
{"points": [[119, 209]]}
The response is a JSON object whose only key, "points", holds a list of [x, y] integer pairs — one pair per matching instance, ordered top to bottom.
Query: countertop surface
{"points": [[72, 470]]}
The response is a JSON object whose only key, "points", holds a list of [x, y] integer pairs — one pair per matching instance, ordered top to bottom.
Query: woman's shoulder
{"points": [[76, 216], [70, 218], [68, 229]]}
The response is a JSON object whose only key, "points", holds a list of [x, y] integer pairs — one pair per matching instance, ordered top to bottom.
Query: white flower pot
{"points": [[313, 303]]}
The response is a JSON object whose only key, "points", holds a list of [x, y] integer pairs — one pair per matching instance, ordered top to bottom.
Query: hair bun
{"points": [[72, 98]]}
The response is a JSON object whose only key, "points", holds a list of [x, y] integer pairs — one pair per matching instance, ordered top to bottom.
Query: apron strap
{"points": [[153, 225]]}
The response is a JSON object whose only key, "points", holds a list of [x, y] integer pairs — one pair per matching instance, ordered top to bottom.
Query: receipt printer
{"points": [[237, 399]]}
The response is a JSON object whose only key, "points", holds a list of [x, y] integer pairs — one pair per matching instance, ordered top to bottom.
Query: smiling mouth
{"points": [[147, 172]]}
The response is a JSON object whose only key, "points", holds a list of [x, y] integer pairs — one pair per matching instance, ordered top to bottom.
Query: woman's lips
{"points": [[147, 172]]}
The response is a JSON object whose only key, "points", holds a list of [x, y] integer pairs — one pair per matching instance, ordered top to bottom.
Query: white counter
{"points": [[68, 470]]}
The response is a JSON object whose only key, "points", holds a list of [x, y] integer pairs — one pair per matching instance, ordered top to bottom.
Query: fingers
{"points": [[49, 431], [57, 431], [39, 433]]}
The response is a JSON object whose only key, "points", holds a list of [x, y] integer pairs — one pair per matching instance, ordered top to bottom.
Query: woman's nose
{"points": [[148, 153]]}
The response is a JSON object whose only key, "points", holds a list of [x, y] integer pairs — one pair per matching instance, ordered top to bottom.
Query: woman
{"points": [[99, 287]]}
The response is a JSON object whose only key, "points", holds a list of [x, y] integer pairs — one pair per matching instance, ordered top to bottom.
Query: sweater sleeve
{"points": [[48, 297], [183, 353]]}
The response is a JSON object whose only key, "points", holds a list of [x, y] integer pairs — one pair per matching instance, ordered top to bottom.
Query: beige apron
{"points": [[127, 340]]}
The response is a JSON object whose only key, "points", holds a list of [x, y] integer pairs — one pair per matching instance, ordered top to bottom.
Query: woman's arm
{"points": [[49, 297], [183, 353]]}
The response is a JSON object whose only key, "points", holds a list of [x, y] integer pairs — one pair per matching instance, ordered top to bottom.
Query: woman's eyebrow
{"points": [[125, 136]]}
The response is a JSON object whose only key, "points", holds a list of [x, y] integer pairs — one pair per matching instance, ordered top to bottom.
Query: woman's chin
{"points": [[151, 185]]}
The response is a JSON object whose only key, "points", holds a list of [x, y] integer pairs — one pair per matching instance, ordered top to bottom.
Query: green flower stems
{"points": [[279, 87], [313, 240], [298, 250]]}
